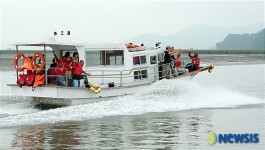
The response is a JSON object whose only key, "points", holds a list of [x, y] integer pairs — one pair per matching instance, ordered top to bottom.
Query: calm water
{"points": [[166, 115]]}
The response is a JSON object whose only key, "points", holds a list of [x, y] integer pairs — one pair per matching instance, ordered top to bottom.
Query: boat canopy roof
{"points": [[66, 42], [48, 43], [60, 45], [107, 45]]}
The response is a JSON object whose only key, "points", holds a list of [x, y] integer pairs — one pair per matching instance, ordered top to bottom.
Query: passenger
{"points": [[172, 53], [68, 55], [75, 57], [74, 60], [195, 61], [166, 63], [54, 64], [68, 66], [179, 67], [60, 70], [52, 71], [77, 73]]}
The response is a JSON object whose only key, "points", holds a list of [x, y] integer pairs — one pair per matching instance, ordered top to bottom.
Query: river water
{"points": [[169, 114]]}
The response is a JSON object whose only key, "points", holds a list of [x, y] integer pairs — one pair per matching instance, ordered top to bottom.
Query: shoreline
{"points": [[184, 51]]}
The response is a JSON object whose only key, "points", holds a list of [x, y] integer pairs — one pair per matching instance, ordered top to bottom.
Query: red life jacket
{"points": [[196, 61], [178, 63], [78, 69], [60, 70], [30, 79], [21, 80]]}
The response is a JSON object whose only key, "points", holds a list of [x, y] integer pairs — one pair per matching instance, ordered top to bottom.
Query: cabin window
{"points": [[108, 57], [114, 57], [160, 57], [93, 58], [143, 59], [136, 60], [139, 60], [153, 60], [140, 74], [144, 74], [136, 75]]}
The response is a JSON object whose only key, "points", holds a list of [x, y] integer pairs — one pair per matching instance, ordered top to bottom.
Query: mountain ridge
{"points": [[196, 36], [254, 41]]}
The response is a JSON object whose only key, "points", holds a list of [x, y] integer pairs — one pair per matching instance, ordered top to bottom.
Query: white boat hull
{"points": [[70, 92]]}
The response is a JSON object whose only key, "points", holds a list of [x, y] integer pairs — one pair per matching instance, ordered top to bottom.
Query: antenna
{"points": [[157, 44]]}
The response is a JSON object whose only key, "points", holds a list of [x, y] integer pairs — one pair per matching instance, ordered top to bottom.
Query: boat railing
{"points": [[155, 70], [166, 70], [121, 74], [129, 74], [49, 75]]}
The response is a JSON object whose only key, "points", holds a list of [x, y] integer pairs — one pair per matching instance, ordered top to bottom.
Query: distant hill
{"points": [[197, 36], [255, 41]]}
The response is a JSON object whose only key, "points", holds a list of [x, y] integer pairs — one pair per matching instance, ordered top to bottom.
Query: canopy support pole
{"points": [[17, 53], [45, 69]]}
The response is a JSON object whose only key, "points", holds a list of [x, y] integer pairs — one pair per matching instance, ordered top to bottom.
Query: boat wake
{"points": [[162, 96]]}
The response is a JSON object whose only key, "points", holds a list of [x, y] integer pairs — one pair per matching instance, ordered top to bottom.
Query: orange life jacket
{"points": [[27, 63], [39, 80]]}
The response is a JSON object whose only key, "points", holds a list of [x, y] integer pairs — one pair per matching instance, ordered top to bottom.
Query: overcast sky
{"points": [[108, 20]]}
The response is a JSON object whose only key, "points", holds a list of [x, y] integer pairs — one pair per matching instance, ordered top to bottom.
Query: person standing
{"points": [[166, 63], [68, 66]]}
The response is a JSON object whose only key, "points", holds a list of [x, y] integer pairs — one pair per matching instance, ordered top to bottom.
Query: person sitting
{"points": [[195, 61], [179, 67], [60, 70], [52, 71], [78, 72]]}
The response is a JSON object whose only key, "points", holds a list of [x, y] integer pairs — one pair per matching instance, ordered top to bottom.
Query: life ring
{"points": [[22, 56], [37, 68]]}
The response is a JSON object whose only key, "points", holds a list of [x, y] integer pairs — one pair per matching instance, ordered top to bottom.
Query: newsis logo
{"points": [[233, 138]]}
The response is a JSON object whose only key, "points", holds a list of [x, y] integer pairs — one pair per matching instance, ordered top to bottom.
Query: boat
{"points": [[116, 67]]}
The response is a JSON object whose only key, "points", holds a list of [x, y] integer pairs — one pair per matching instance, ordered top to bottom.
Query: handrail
{"points": [[121, 73], [124, 73], [48, 75]]}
